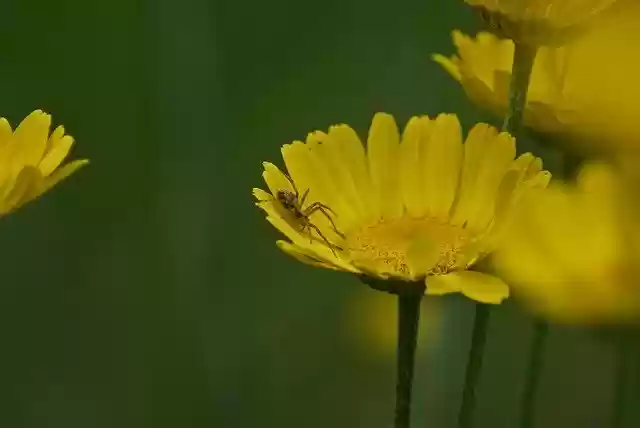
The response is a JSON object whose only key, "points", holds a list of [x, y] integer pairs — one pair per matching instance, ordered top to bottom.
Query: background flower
{"points": [[538, 22], [583, 92], [30, 160], [570, 250]]}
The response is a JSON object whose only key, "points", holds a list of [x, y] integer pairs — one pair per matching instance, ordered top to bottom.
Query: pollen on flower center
{"points": [[383, 246]]}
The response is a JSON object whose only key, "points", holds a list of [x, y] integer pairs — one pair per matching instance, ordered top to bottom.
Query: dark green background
{"points": [[147, 291]]}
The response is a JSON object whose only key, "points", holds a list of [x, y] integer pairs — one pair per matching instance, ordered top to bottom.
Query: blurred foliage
{"points": [[147, 291]]}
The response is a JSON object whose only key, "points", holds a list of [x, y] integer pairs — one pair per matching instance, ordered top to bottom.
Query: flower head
{"points": [[538, 22], [483, 68], [582, 93], [30, 160], [413, 207], [569, 251]]}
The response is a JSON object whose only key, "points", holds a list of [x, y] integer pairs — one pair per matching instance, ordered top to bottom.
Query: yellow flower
{"points": [[538, 22], [483, 67], [583, 92], [30, 160], [421, 206], [568, 252], [370, 320]]}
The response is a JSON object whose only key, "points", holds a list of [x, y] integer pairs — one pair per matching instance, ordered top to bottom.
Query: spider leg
{"points": [[295, 189], [304, 196], [321, 208], [331, 246]]}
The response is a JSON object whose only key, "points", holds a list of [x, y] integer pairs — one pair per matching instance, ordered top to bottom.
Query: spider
{"points": [[293, 203]]}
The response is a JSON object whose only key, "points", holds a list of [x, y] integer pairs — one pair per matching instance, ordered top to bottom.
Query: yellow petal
{"points": [[449, 64], [6, 133], [415, 134], [30, 138], [59, 146], [383, 154], [487, 156], [354, 158], [441, 161], [62, 173], [310, 175], [335, 176], [275, 179], [26, 187], [261, 195], [304, 256], [478, 286], [437, 287]]}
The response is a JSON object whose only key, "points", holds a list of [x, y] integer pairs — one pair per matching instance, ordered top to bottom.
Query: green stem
{"points": [[523, 58], [570, 165], [409, 297], [408, 321], [623, 358], [474, 364], [527, 412]]}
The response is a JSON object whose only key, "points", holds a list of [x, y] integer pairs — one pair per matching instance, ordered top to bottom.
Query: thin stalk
{"points": [[523, 58], [408, 321], [623, 360], [474, 364], [527, 412]]}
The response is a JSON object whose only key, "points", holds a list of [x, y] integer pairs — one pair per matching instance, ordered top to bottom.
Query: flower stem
{"points": [[523, 58], [409, 297], [408, 321], [623, 360], [474, 364], [527, 409]]}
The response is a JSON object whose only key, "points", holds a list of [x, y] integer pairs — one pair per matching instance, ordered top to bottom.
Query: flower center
{"points": [[383, 246]]}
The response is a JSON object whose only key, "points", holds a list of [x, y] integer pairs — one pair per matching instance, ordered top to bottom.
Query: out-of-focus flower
{"points": [[538, 22], [483, 67], [582, 93], [30, 160], [427, 207], [570, 250], [371, 324]]}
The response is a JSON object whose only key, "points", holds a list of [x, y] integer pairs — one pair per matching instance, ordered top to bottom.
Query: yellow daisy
{"points": [[537, 22], [483, 68], [583, 92], [30, 160], [416, 207], [568, 252]]}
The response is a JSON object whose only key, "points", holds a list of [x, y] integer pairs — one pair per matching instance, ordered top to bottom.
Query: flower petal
{"points": [[30, 138], [414, 138], [59, 146], [383, 153], [487, 156], [441, 158], [355, 159], [62, 173], [334, 173], [312, 177], [275, 179], [26, 187], [310, 258], [478, 286]]}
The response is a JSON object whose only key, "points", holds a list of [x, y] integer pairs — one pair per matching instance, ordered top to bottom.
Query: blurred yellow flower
{"points": [[537, 22], [483, 67], [583, 92], [30, 160], [419, 206], [568, 250], [370, 323]]}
